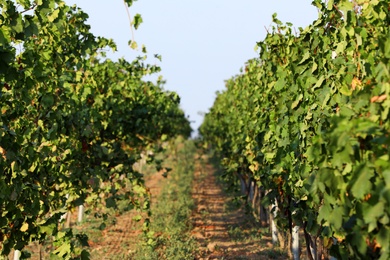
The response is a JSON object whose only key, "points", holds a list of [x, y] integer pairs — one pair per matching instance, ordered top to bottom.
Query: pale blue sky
{"points": [[202, 42]]}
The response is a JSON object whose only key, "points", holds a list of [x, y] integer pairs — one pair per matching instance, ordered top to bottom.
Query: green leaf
{"points": [[129, 2], [330, 5], [53, 15], [137, 21], [17, 24], [4, 37], [359, 40], [133, 45], [341, 47], [144, 49], [305, 57], [314, 68], [319, 82], [280, 84], [345, 90], [87, 91], [48, 100], [297, 101], [270, 156], [347, 169], [386, 175], [361, 185], [139, 189], [110, 202], [324, 213], [372, 214], [137, 218], [335, 218], [102, 226], [24, 227], [48, 228], [383, 238], [360, 242], [64, 249], [85, 255]]}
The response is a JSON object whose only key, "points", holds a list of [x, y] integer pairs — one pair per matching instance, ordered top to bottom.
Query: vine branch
{"points": [[129, 16]]}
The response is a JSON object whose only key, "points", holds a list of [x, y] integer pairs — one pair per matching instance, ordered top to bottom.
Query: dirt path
{"points": [[223, 231], [119, 240]]}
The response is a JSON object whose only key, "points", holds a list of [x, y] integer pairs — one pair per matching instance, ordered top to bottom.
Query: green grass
{"points": [[170, 223]]}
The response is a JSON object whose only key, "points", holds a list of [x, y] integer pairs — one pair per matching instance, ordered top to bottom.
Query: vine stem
{"points": [[29, 9], [129, 16]]}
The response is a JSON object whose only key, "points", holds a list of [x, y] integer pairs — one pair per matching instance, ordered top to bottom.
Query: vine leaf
{"points": [[137, 21], [362, 185]]}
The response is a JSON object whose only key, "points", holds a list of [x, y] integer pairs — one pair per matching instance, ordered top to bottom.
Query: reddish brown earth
{"points": [[223, 232], [120, 240], [116, 241]]}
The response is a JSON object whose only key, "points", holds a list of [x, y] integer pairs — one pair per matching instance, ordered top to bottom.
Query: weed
{"points": [[171, 212], [236, 233], [274, 253]]}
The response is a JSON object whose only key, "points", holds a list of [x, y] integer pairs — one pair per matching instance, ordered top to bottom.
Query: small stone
{"points": [[211, 247]]}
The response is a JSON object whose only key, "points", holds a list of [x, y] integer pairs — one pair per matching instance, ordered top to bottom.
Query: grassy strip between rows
{"points": [[170, 222]]}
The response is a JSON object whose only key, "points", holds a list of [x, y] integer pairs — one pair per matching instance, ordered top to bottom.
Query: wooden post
{"points": [[243, 186], [251, 190], [255, 201], [80, 214], [65, 215], [68, 220], [274, 229], [295, 243], [313, 247], [17, 254]]}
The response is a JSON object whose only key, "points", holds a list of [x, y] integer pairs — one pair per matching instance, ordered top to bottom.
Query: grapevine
{"points": [[71, 120], [308, 122]]}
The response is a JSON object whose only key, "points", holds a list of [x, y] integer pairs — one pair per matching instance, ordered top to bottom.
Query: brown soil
{"points": [[221, 231], [120, 240], [116, 241]]}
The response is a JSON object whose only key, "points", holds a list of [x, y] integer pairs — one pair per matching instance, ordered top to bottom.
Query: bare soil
{"points": [[222, 230], [118, 240]]}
